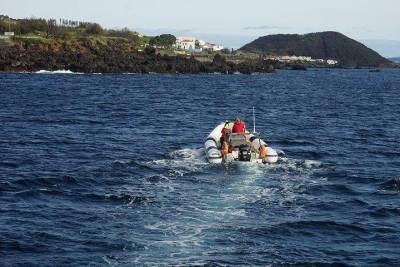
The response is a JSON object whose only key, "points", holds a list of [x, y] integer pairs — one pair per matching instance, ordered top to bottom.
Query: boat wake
{"points": [[185, 161], [181, 162], [239, 184], [204, 199]]}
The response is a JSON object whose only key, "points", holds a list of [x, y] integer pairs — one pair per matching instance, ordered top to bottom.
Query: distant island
{"points": [[39, 44], [323, 45], [395, 59]]}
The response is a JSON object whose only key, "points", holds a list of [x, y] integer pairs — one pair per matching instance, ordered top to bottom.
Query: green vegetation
{"points": [[36, 30], [163, 40], [235, 57]]}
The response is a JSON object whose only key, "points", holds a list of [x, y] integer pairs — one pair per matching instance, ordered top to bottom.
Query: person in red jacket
{"points": [[238, 126]]}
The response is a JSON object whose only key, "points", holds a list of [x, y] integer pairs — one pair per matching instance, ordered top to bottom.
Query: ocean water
{"points": [[110, 170]]}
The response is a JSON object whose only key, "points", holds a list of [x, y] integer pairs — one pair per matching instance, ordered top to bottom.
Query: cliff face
{"points": [[324, 45]]}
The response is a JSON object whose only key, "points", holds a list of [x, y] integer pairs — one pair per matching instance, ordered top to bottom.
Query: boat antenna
{"points": [[254, 121]]}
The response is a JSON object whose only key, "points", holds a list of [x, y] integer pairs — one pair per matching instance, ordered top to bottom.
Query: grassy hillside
{"points": [[51, 31], [323, 45]]}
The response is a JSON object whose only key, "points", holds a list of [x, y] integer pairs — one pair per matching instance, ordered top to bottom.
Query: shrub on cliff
{"points": [[93, 28], [124, 33], [149, 50], [219, 60]]}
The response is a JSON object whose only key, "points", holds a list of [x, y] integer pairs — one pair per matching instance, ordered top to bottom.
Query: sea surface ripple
{"points": [[110, 170]]}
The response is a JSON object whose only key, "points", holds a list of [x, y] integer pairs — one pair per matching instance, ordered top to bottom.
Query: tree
{"points": [[51, 27], [93, 28], [165, 40], [197, 44], [149, 50]]}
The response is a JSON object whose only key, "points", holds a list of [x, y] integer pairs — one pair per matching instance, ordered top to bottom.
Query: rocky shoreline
{"points": [[118, 56], [114, 57]]}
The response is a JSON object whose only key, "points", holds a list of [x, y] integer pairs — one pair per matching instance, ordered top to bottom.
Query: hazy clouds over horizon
{"points": [[232, 23]]}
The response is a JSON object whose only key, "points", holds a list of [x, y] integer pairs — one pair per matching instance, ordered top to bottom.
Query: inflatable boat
{"points": [[243, 147]]}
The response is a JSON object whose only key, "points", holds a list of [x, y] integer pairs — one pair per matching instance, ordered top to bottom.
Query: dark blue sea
{"points": [[99, 170]]}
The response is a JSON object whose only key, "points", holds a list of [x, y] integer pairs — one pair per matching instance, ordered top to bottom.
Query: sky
{"points": [[232, 23]]}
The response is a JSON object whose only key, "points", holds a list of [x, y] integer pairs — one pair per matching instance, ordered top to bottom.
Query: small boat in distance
{"points": [[245, 146]]}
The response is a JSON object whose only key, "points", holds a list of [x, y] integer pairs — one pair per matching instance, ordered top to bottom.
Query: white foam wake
{"points": [[57, 72], [182, 161]]}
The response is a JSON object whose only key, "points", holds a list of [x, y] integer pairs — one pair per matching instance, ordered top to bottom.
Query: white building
{"points": [[186, 43], [189, 43], [201, 43], [212, 47], [296, 58], [302, 59], [332, 62]]}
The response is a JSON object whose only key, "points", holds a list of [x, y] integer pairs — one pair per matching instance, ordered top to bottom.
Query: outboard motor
{"points": [[244, 153]]}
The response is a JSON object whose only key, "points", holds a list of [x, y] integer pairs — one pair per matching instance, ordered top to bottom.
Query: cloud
{"points": [[263, 27]]}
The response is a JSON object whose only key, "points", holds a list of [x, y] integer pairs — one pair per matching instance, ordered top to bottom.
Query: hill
{"points": [[321, 45], [395, 59]]}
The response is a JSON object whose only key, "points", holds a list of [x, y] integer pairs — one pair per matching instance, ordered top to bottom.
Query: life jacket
{"points": [[229, 125], [238, 127], [225, 131], [225, 148], [263, 151]]}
